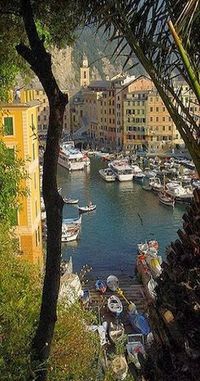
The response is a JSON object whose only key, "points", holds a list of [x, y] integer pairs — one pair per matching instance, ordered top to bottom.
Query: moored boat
{"points": [[70, 158], [122, 170], [107, 174], [166, 199], [69, 234], [112, 282], [101, 286], [115, 305], [138, 320], [115, 331], [135, 346]]}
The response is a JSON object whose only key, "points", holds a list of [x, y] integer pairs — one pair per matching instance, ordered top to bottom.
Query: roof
{"points": [[100, 84], [33, 103]]}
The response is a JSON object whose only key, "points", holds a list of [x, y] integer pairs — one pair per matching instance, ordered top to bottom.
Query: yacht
{"points": [[70, 157], [122, 170], [107, 174], [138, 174], [180, 193]]}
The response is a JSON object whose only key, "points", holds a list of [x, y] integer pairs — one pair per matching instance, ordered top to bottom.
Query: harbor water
{"points": [[125, 215]]}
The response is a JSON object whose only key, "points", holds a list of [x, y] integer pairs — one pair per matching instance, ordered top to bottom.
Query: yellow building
{"points": [[19, 133]]}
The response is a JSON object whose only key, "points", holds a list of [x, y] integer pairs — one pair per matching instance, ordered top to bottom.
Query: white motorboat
{"points": [[70, 157], [122, 170], [107, 174], [138, 174], [146, 183], [156, 185], [180, 193], [166, 199], [68, 200], [86, 209], [115, 305]]}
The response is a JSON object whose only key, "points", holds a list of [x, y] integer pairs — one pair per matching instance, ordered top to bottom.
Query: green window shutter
{"points": [[8, 125]]}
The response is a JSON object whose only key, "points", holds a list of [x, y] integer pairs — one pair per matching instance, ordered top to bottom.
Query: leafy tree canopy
{"points": [[12, 174]]}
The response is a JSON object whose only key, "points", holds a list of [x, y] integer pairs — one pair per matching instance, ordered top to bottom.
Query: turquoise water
{"points": [[109, 236]]}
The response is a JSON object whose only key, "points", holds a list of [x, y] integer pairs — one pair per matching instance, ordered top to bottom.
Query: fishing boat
{"points": [[122, 170], [107, 174], [166, 199], [68, 200], [88, 208], [112, 282], [101, 286], [115, 305], [138, 321], [115, 331], [135, 346], [119, 367]]}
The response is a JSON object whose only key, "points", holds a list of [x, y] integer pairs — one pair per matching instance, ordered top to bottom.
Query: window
{"points": [[84, 75], [163, 108], [151, 109], [157, 109], [157, 119], [163, 119], [8, 125], [163, 128], [33, 151], [35, 183], [36, 210]]}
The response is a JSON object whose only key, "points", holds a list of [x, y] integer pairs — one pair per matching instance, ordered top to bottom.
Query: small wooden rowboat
{"points": [[85, 209], [112, 282], [101, 286], [115, 305]]}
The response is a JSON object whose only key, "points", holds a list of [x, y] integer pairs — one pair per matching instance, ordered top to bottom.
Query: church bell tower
{"points": [[84, 73]]}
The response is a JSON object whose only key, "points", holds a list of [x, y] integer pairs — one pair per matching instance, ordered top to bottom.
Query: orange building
{"points": [[19, 126]]}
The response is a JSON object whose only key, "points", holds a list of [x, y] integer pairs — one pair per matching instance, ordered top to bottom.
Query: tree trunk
{"points": [[40, 62]]}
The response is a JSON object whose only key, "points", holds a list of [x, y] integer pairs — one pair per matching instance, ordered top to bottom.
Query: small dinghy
{"points": [[70, 200], [85, 209], [112, 282], [101, 286], [85, 297], [115, 305], [138, 321], [115, 332], [119, 367]]}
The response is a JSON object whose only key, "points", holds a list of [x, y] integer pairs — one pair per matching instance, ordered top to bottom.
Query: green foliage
{"points": [[12, 172], [19, 307], [75, 350]]}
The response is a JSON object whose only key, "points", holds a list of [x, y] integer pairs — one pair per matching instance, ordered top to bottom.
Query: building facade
{"points": [[19, 133]]}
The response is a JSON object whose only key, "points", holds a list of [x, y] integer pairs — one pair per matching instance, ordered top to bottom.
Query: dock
{"points": [[132, 289]]}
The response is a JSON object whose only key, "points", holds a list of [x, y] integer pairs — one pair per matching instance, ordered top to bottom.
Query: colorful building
{"points": [[19, 132]]}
